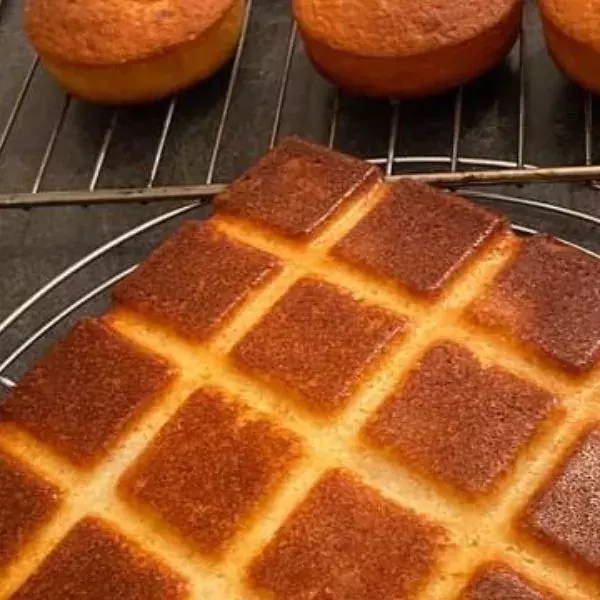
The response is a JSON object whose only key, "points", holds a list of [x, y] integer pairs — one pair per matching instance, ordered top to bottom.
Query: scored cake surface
{"points": [[335, 388]]}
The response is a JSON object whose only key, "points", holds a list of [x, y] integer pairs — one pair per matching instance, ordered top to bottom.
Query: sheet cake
{"points": [[334, 388]]}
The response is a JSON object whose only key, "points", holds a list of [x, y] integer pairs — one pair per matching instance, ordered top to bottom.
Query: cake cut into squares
{"points": [[296, 187], [419, 237], [195, 280], [549, 298], [317, 342], [84, 393], [458, 422], [244, 424], [211, 468], [26, 504], [564, 514], [346, 541], [96, 562], [497, 581]]}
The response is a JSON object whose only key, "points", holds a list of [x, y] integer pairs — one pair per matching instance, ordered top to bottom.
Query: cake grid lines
{"points": [[268, 249], [316, 261], [442, 312], [434, 316], [217, 371], [235, 384], [24, 446], [80, 496], [108, 514], [142, 529], [241, 543]]}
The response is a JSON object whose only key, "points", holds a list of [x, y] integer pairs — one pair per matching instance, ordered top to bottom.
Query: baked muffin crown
{"points": [[577, 19], [392, 28], [110, 32]]}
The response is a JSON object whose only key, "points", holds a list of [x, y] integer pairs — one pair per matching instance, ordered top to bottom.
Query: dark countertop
{"points": [[36, 245]]}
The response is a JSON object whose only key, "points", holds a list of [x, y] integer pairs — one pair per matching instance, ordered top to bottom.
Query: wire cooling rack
{"points": [[394, 133]]}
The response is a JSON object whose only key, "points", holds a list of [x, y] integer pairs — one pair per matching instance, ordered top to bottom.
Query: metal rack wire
{"points": [[452, 169], [461, 170]]}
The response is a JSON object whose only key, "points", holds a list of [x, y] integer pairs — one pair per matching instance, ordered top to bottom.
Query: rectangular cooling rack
{"points": [[523, 130]]}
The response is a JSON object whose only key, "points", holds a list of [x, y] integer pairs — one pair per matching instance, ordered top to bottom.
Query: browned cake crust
{"points": [[409, 47], [296, 188], [419, 237], [195, 279], [548, 297], [341, 335], [82, 395], [339, 399], [457, 421], [209, 469], [26, 503], [565, 514], [346, 541], [95, 562], [499, 582]]}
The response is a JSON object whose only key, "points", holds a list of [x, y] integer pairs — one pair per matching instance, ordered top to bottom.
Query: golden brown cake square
{"points": [[296, 187], [419, 237], [195, 279], [549, 298], [317, 342], [82, 395], [457, 421], [210, 468], [26, 504], [564, 514], [347, 541], [96, 562], [497, 581]]}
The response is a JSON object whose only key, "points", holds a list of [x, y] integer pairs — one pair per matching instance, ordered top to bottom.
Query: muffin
{"points": [[572, 30], [407, 48], [127, 52]]}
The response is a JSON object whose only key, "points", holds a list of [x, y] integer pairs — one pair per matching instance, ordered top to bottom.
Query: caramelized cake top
{"points": [[400, 30], [296, 187], [419, 237], [195, 279], [548, 297], [317, 341], [81, 396], [288, 403], [457, 421], [210, 467], [26, 503], [564, 513], [347, 541], [96, 562], [499, 582]]}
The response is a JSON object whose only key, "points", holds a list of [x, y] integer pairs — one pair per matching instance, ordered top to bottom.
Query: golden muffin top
{"points": [[579, 19], [398, 28], [101, 32]]}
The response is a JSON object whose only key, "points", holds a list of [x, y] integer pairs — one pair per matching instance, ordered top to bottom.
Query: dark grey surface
{"points": [[36, 245]]}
